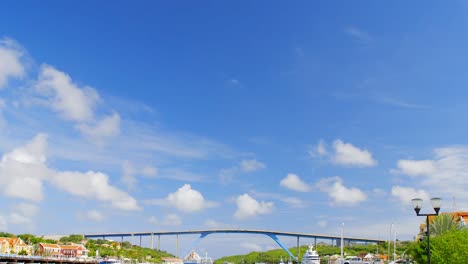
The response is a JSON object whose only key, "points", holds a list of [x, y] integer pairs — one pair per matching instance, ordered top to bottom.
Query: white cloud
{"points": [[10, 61], [67, 98], [107, 127], [320, 150], [348, 155], [27, 164], [251, 165], [416, 167], [129, 173], [445, 175], [293, 182], [94, 185], [340, 194], [405, 194], [184, 199], [248, 207], [23, 214], [94, 215]]}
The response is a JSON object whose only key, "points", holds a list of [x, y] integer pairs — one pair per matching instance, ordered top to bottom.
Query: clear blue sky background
{"points": [[293, 116]]}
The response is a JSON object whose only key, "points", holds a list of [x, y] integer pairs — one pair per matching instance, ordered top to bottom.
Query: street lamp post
{"points": [[417, 205]]}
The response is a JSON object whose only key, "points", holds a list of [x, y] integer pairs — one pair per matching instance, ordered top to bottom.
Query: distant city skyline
{"points": [[297, 117]]}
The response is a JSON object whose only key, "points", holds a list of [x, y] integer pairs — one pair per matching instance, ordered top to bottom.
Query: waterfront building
{"points": [[11, 245], [46, 249], [73, 250]]}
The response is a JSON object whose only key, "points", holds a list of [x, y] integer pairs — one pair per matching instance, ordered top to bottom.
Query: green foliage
{"points": [[443, 223], [4, 234], [72, 238], [31, 239], [108, 248], [447, 248], [23, 253], [274, 256]]}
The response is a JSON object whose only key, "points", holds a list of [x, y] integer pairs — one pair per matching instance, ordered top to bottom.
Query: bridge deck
{"points": [[241, 231]]}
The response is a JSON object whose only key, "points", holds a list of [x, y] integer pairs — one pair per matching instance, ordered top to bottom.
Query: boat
{"points": [[311, 256], [194, 258], [281, 261]]}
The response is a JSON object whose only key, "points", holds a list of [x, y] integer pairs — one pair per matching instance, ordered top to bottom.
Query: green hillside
{"points": [[274, 256]]}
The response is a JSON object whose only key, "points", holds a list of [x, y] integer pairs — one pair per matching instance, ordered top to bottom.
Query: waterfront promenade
{"points": [[13, 258]]}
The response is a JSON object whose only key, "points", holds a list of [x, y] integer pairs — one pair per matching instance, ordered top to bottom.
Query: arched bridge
{"points": [[203, 233]]}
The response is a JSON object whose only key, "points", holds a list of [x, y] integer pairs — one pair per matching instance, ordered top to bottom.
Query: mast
{"points": [[342, 244]]}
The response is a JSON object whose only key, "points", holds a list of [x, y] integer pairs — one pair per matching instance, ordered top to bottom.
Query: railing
{"points": [[49, 258]]}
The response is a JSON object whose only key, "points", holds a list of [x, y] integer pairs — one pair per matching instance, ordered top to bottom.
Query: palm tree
{"points": [[443, 223]]}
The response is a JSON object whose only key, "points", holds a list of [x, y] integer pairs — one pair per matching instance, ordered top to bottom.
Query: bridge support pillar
{"points": [[275, 238], [140, 241], [152, 241], [159, 242], [315, 242], [177, 245], [298, 249]]}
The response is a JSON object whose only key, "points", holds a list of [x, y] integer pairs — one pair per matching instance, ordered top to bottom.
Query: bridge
{"points": [[203, 233]]}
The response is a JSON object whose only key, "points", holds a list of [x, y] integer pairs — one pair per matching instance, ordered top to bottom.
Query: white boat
{"points": [[311, 256], [194, 258], [281, 261]]}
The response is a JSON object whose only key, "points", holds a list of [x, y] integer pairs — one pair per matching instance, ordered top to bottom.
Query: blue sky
{"points": [[139, 116]]}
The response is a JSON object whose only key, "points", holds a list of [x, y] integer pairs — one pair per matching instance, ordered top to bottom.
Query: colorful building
{"points": [[14, 245]]}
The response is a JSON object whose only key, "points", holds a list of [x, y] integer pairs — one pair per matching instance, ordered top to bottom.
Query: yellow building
{"points": [[13, 245]]}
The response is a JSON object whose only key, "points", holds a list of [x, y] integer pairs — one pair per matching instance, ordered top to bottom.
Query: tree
{"points": [[443, 223], [72, 238], [449, 247], [23, 253]]}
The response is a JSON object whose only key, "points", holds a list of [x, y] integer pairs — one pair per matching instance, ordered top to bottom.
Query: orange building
{"points": [[460, 217], [11, 245]]}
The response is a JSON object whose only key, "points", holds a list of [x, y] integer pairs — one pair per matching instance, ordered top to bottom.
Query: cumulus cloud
{"points": [[10, 61], [64, 96], [343, 154], [348, 155], [28, 164], [251, 165], [416, 167], [444, 175], [293, 182], [94, 185], [340, 194], [405, 194], [185, 199], [248, 207]]}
